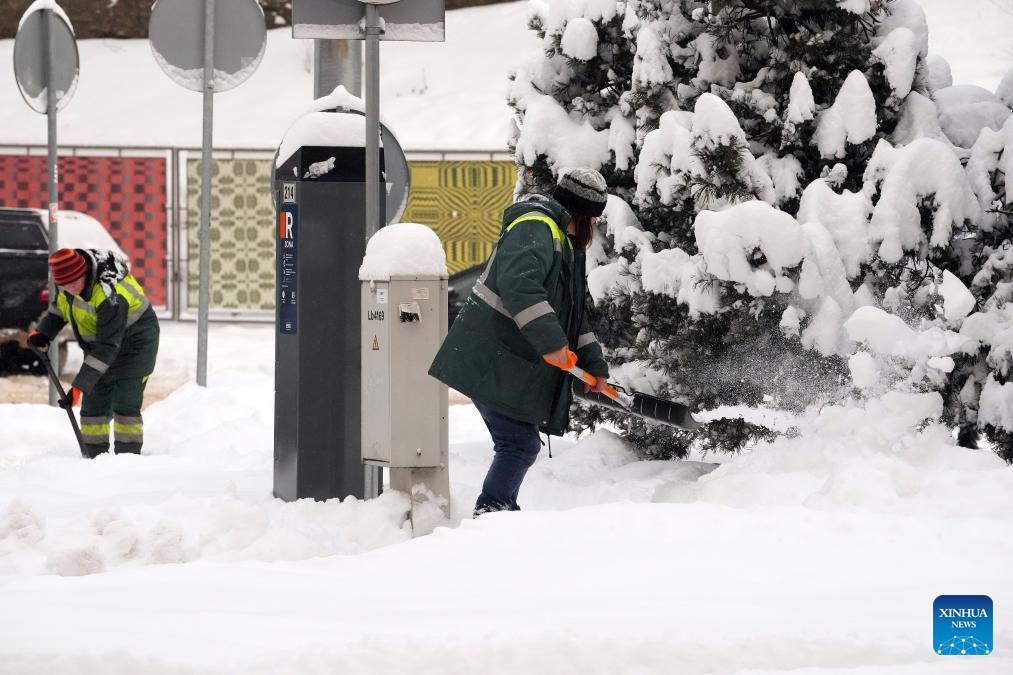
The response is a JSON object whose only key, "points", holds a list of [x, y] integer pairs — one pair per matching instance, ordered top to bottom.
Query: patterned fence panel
{"points": [[128, 194], [463, 202], [242, 234]]}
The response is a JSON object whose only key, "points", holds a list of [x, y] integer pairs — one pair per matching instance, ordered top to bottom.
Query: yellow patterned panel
{"points": [[463, 202], [242, 234]]}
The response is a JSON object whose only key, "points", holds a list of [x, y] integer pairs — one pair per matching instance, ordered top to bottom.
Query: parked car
{"points": [[24, 275], [459, 288]]}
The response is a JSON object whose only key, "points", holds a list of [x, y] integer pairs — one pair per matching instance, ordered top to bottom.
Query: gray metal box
{"points": [[404, 410]]}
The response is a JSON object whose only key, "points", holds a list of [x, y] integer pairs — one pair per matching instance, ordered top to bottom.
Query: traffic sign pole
{"points": [[49, 22], [191, 47], [372, 89], [204, 288]]}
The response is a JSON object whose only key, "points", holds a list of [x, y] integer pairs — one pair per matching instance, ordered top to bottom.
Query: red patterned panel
{"points": [[126, 194]]}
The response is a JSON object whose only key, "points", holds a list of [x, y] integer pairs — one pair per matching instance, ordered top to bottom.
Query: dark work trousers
{"points": [[117, 401], [516, 445]]}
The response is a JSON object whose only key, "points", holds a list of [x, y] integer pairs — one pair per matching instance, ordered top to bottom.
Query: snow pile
{"points": [[403, 249], [887, 455], [184, 529], [189, 536]]}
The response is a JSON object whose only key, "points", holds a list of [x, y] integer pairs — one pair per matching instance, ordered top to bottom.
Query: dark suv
{"points": [[24, 249], [24, 276], [24, 290]]}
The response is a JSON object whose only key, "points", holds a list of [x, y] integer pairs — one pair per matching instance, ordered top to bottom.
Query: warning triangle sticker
{"points": [[376, 344]]}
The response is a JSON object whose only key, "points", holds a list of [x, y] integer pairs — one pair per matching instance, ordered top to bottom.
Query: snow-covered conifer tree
{"points": [[767, 154], [986, 393]]}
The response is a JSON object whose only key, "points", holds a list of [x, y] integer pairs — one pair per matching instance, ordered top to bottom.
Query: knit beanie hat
{"points": [[581, 192], [68, 266]]}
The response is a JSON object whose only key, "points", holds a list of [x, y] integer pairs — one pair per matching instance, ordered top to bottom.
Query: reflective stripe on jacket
{"points": [[528, 302], [85, 314], [116, 328]]}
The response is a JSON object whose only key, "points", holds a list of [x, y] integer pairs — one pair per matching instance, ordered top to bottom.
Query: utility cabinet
{"points": [[404, 410]]}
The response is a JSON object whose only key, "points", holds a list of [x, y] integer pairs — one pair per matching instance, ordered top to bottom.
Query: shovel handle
{"points": [[587, 378]]}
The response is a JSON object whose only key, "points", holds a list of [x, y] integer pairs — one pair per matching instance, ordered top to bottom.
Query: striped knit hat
{"points": [[581, 192], [68, 266]]}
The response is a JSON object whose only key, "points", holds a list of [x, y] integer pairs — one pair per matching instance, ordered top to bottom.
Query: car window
{"points": [[22, 232]]}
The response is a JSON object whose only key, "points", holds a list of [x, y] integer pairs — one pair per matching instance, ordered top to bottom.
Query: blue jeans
{"points": [[516, 445]]}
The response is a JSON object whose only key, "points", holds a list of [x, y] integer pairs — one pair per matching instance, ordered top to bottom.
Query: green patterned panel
{"points": [[242, 234]]}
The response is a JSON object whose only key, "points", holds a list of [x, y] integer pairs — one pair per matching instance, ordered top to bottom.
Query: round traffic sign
{"points": [[176, 33], [30, 57]]}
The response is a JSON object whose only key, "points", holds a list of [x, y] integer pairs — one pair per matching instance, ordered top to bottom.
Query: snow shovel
{"points": [[64, 400], [634, 403]]}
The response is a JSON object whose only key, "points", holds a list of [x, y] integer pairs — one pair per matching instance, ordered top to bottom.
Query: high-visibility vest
{"points": [[84, 314]]}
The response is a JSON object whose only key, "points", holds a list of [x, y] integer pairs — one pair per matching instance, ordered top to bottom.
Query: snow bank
{"points": [[406, 249], [885, 455]]}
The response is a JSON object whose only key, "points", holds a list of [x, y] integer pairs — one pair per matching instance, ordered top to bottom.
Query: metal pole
{"points": [[337, 62], [372, 121], [54, 197], [204, 288], [373, 478]]}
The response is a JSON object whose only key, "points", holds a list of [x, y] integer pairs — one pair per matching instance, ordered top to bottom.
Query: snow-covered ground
{"points": [[434, 96], [818, 553], [821, 553]]}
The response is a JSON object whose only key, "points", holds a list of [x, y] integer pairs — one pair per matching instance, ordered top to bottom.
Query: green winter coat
{"points": [[528, 302], [113, 322]]}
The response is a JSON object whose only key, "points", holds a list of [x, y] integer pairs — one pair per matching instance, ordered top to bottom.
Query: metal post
{"points": [[337, 62], [372, 120], [54, 197], [204, 288], [373, 477]]}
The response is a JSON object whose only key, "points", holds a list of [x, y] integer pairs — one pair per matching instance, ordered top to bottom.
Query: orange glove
{"points": [[563, 358], [72, 398]]}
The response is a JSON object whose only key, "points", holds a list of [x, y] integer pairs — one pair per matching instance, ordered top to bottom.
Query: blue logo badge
{"points": [[962, 625]]}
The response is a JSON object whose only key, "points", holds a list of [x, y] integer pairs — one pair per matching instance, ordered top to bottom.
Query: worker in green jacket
{"points": [[526, 312], [117, 330]]}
